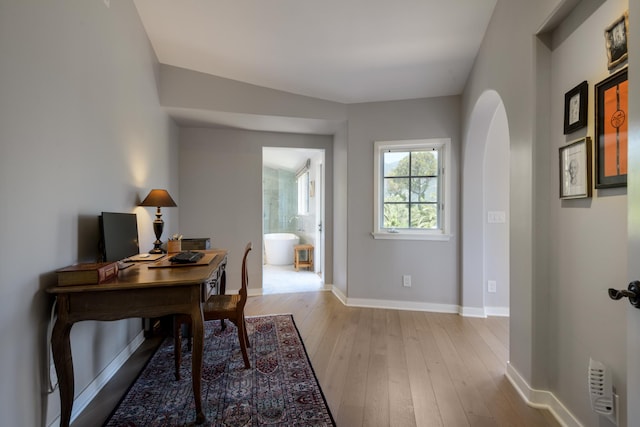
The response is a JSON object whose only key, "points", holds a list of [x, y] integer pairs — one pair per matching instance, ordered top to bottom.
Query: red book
{"points": [[87, 273]]}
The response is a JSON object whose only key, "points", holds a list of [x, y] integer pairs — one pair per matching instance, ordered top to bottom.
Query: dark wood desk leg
{"points": [[222, 285], [222, 288], [197, 329], [177, 345], [61, 348]]}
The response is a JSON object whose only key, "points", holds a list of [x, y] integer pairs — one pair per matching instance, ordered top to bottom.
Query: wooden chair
{"points": [[220, 307]]}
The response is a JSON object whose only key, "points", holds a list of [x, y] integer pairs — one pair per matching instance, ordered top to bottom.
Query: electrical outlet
{"points": [[406, 281], [492, 286]]}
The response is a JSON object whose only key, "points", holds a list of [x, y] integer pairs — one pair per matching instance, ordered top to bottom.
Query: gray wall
{"points": [[505, 64], [185, 89], [252, 107], [81, 132], [221, 191], [587, 237], [563, 254], [376, 266], [633, 315]]}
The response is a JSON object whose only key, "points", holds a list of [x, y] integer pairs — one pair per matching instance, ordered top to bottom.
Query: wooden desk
{"points": [[139, 291]]}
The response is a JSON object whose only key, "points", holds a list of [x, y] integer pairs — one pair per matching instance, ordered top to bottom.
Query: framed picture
{"points": [[616, 36], [575, 108], [611, 130], [575, 169]]}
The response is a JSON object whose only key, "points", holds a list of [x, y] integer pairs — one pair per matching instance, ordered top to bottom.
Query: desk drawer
{"points": [[216, 283], [115, 304]]}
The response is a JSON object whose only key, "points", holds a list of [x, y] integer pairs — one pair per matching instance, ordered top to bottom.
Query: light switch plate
{"points": [[496, 217], [492, 286]]}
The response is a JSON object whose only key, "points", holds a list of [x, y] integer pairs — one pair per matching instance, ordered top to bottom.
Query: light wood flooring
{"points": [[391, 368], [402, 368]]}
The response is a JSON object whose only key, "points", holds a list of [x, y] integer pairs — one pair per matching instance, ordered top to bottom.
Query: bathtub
{"points": [[278, 248]]}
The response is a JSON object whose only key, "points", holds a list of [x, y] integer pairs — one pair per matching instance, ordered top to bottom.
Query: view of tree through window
{"points": [[411, 189]]}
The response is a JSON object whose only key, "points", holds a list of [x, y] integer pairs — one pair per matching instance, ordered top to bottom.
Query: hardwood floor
{"points": [[392, 368], [403, 368]]}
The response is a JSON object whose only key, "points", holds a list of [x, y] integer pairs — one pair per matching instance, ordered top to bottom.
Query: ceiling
{"points": [[348, 51], [291, 159]]}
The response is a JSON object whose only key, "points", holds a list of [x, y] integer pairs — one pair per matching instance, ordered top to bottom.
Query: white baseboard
{"points": [[251, 292], [256, 292], [339, 294], [401, 305], [420, 306], [497, 311], [472, 312], [484, 312], [92, 390], [541, 399]]}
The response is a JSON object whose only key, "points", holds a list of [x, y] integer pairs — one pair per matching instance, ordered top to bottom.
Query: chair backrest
{"points": [[245, 276]]}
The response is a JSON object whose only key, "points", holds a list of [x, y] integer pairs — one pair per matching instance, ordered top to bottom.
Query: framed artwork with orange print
{"points": [[611, 96]]}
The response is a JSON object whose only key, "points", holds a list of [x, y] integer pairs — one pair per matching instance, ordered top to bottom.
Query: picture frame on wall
{"points": [[616, 36], [611, 99], [575, 108], [575, 169]]}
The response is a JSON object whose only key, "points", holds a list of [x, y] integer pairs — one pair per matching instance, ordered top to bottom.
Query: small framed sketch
{"points": [[616, 36], [575, 108], [611, 138], [575, 169]]}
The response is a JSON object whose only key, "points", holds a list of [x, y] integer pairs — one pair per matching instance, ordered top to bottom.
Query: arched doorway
{"points": [[485, 205]]}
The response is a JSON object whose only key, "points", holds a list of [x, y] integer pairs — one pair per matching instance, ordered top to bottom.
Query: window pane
{"points": [[424, 163], [396, 164], [410, 187], [396, 190], [424, 190], [303, 194], [396, 215], [424, 216]]}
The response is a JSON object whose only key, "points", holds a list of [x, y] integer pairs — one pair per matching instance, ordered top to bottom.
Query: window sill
{"points": [[385, 235]]}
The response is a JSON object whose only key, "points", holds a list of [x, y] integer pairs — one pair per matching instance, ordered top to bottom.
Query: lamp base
{"points": [[158, 225]]}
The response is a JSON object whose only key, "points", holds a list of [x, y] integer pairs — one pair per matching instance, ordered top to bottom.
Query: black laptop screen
{"points": [[119, 235]]}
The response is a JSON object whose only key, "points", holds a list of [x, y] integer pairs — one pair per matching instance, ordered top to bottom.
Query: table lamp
{"points": [[158, 198]]}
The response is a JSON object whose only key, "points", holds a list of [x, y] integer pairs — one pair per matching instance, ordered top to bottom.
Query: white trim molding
{"points": [[443, 147], [388, 235], [251, 292], [256, 292], [339, 294], [401, 305], [420, 306], [498, 311], [473, 312], [541, 399]]}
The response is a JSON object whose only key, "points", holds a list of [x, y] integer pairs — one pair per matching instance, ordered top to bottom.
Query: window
{"points": [[410, 191], [303, 193]]}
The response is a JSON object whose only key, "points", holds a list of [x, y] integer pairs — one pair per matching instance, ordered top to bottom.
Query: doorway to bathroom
{"points": [[293, 217]]}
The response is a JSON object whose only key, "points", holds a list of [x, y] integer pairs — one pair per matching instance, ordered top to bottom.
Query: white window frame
{"points": [[443, 145], [302, 182]]}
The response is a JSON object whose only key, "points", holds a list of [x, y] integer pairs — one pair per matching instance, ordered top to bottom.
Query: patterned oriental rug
{"points": [[280, 389]]}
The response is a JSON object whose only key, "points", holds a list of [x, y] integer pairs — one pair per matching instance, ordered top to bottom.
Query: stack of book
{"points": [[87, 273]]}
